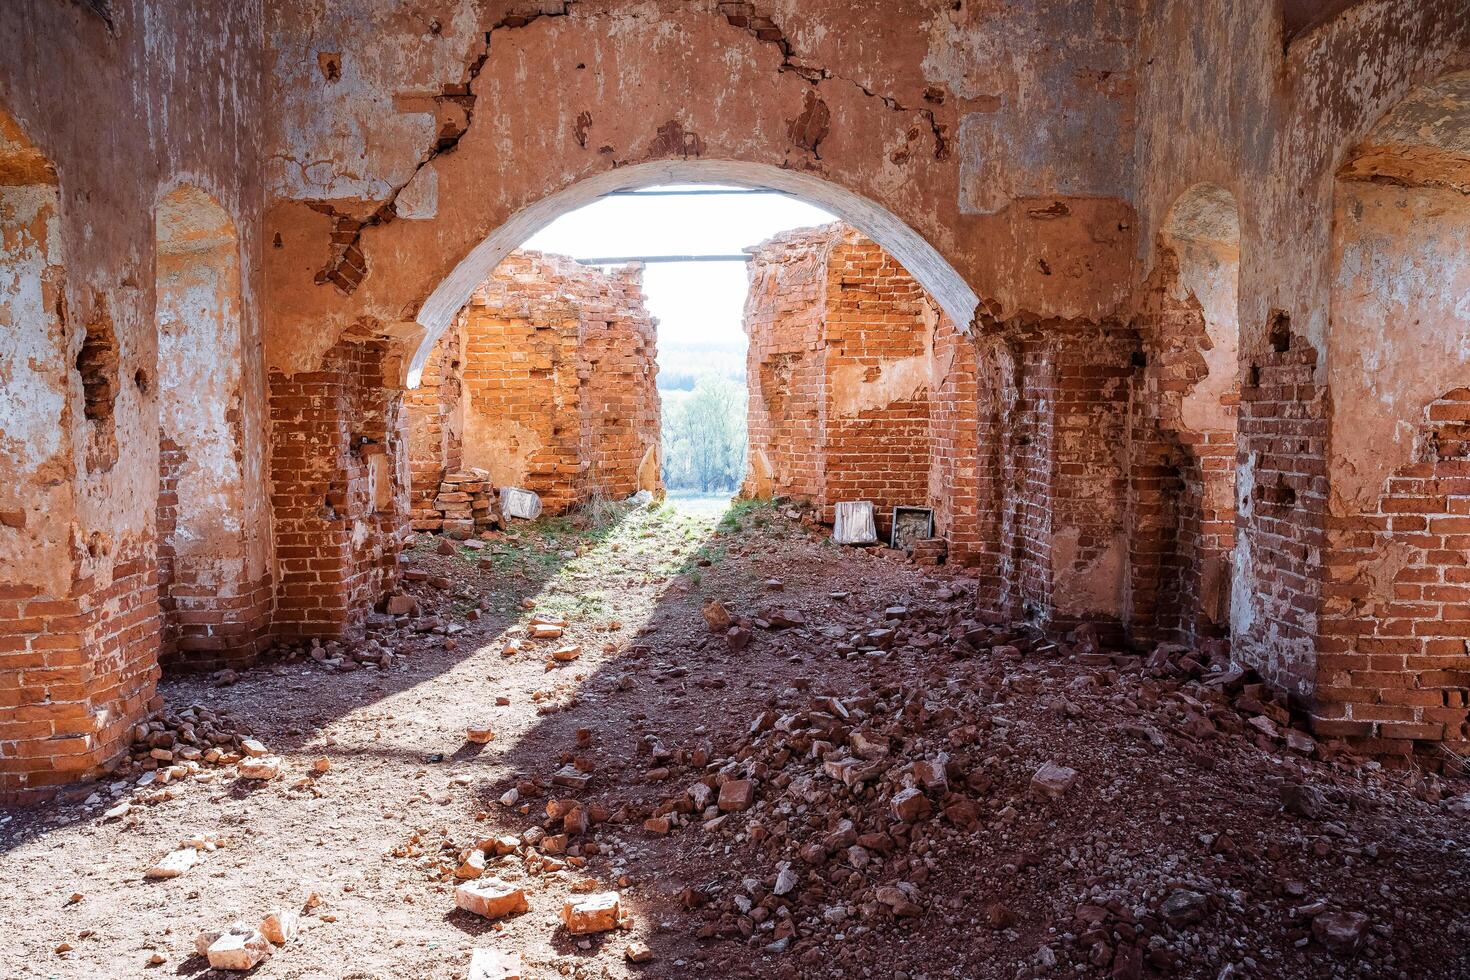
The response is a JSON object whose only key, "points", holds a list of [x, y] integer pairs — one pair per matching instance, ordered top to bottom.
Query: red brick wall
{"points": [[785, 309], [879, 331], [842, 370], [617, 373], [548, 383], [1052, 425], [435, 426], [1283, 441], [1182, 471], [954, 478], [340, 506], [1392, 662], [75, 672]]}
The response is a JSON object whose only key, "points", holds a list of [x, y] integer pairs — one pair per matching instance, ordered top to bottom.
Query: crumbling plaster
{"points": [[641, 72], [171, 92], [1224, 103], [1400, 335], [211, 395], [34, 457]]}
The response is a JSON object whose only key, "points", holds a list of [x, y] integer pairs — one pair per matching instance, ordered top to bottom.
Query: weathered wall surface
{"points": [[171, 91], [1227, 101], [873, 112], [784, 318], [879, 335], [548, 383], [435, 412], [215, 581], [1396, 600]]}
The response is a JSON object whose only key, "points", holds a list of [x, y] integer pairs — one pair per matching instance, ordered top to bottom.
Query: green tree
{"points": [[704, 437]]}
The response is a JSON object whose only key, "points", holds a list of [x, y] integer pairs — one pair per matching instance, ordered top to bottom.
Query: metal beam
{"points": [[698, 192], [625, 259]]}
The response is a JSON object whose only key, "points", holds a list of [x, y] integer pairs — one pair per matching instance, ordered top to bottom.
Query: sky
{"points": [[696, 303]]}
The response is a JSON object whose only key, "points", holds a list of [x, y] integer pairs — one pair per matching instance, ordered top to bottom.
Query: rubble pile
{"points": [[463, 507], [196, 735], [992, 790]]}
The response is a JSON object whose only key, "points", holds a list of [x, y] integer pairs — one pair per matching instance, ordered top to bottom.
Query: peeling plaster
{"points": [[1053, 83], [1400, 331], [200, 375], [35, 459], [1093, 588]]}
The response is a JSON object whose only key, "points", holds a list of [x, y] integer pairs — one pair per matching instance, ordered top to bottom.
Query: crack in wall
{"points": [[742, 14], [348, 266]]}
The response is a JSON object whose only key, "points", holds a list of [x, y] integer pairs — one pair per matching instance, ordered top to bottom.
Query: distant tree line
{"points": [[704, 437]]}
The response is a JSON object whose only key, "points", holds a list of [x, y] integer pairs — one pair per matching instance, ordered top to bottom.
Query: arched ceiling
{"points": [[1424, 140]]}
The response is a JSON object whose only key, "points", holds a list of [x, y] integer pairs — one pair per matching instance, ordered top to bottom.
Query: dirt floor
{"points": [[852, 783]]}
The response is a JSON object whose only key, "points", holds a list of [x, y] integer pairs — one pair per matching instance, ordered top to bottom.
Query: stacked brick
{"points": [[841, 373], [547, 382], [434, 429], [463, 506]]}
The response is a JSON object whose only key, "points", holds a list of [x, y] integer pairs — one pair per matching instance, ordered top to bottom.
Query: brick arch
{"points": [[878, 147], [905, 244]]}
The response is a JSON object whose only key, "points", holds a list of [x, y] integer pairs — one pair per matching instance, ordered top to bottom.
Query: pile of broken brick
{"points": [[463, 507], [834, 814]]}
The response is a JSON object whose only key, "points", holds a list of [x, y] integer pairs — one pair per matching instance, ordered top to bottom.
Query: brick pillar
{"points": [[337, 436], [1283, 444], [955, 447], [75, 671]]}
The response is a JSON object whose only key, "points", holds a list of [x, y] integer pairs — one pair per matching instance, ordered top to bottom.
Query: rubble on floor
{"points": [[772, 758]]}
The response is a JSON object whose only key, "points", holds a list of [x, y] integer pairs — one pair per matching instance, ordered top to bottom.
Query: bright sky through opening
{"points": [[696, 303]]}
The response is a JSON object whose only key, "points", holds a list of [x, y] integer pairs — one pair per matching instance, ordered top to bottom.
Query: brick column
{"points": [[337, 435]]}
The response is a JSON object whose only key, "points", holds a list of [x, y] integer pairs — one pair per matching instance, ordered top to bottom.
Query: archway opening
{"points": [[867, 428], [208, 551]]}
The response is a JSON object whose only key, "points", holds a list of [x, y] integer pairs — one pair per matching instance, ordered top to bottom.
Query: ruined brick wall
{"points": [[1331, 85], [173, 90], [919, 133], [879, 335], [841, 368], [785, 372], [618, 375], [553, 387], [1182, 434], [1283, 434], [954, 478], [215, 582], [1392, 656]]}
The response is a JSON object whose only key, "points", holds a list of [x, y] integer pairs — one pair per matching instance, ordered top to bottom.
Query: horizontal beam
{"points": [[698, 192], [625, 259]]}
